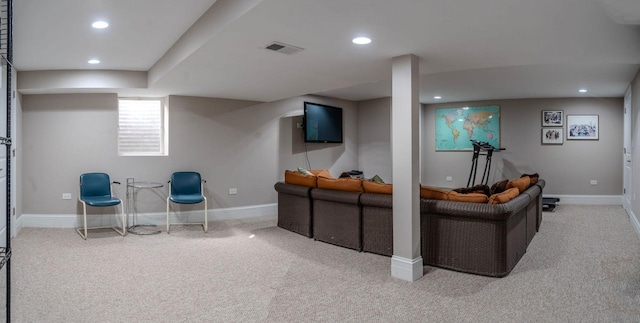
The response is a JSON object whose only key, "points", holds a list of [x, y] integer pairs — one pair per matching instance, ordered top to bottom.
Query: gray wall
{"points": [[374, 133], [233, 144], [248, 145], [567, 168]]}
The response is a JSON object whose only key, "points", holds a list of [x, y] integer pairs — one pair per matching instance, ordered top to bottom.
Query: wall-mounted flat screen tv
{"points": [[322, 123]]}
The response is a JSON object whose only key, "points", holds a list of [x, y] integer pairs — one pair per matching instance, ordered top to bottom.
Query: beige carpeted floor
{"points": [[583, 266]]}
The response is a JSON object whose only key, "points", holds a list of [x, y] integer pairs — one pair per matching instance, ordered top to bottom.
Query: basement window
{"points": [[142, 127]]}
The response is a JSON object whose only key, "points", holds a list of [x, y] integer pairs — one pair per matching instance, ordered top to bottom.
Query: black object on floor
{"points": [[549, 203]]}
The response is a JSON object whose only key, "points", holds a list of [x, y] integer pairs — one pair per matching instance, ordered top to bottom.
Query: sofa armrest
{"points": [[541, 183], [291, 189], [533, 191], [343, 197], [376, 200], [475, 210]]}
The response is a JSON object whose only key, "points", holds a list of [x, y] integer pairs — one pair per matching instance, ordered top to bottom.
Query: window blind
{"points": [[140, 131]]}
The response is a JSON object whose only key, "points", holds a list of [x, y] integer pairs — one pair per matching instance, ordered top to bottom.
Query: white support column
{"points": [[406, 263]]}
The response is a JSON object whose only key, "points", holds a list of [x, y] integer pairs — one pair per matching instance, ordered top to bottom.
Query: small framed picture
{"points": [[552, 118], [583, 127], [552, 136]]}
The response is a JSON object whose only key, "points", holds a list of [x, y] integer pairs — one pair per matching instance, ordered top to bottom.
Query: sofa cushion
{"points": [[321, 173], [297, 178], [521, 183], [341, 184], [373, 187], [499, 187], [433, 193], [469, 197], [504, 197]]}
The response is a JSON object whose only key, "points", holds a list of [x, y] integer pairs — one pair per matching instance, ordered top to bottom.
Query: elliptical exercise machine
{"points": [[478, 148]]}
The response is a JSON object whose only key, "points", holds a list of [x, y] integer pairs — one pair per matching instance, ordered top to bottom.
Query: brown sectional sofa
{"points": [[294, 208], [336, 217], [478, 238]]}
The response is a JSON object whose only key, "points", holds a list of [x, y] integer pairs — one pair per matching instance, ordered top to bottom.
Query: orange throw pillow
{"points": [[297, 178], [521, 183], [341, 184], [373, 187], [433, 193], [469, 197], [504, 197]]}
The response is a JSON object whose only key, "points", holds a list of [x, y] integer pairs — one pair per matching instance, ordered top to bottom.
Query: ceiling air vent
{"points": [[283, 48]]}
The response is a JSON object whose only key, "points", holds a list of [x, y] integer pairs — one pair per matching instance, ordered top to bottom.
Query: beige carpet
{"points": [[583, 266]]}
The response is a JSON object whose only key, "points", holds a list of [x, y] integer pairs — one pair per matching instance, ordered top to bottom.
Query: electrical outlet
{"points": [[299, 125], [449, 179], [594, 182], [233, 191], [66, 196]]}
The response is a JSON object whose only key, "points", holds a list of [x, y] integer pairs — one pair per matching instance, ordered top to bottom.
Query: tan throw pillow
{"points": [[322, 173], [297, 178], [521, 183], [341, 184], [373, 187], [433, 193], [469, 197], [504, 197]]}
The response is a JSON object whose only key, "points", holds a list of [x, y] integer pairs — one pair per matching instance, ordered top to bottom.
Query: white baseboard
{"points": [[588, 199], [157, 218], [634, 221], [406, 269]]}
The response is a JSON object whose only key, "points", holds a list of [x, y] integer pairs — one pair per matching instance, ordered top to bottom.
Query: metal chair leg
{"points": [[84, 209], [167, 215], [206, 221]]}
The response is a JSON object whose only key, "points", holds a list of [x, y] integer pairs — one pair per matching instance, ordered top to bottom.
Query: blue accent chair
{"points": [[187, 188], [96, 191]]}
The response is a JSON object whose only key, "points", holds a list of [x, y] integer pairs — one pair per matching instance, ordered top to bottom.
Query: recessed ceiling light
{"points": [[100, 24], [361, 40], [94, 61], [582, 90], [437, 97]]}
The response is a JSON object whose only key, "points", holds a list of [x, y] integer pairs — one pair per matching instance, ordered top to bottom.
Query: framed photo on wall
{"points": [[552, 118], [583, 127], [552, 136]]}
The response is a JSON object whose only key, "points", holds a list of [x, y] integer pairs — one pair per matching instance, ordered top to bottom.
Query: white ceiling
{"points": [[469, 49]]}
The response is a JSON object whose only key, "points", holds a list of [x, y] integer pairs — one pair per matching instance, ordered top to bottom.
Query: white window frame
{"points": [[163, 149]]}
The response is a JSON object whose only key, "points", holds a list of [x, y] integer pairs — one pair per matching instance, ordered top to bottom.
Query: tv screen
{"points": [[322, 123]]}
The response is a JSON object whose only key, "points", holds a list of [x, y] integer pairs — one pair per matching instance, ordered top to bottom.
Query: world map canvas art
{"points": [[456, 127]]}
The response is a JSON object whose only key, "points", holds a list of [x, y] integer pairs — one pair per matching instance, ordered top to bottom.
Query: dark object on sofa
{"points": [[499, 187], [478, 188], [294, 208], [336, 217], [377, 223]]}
